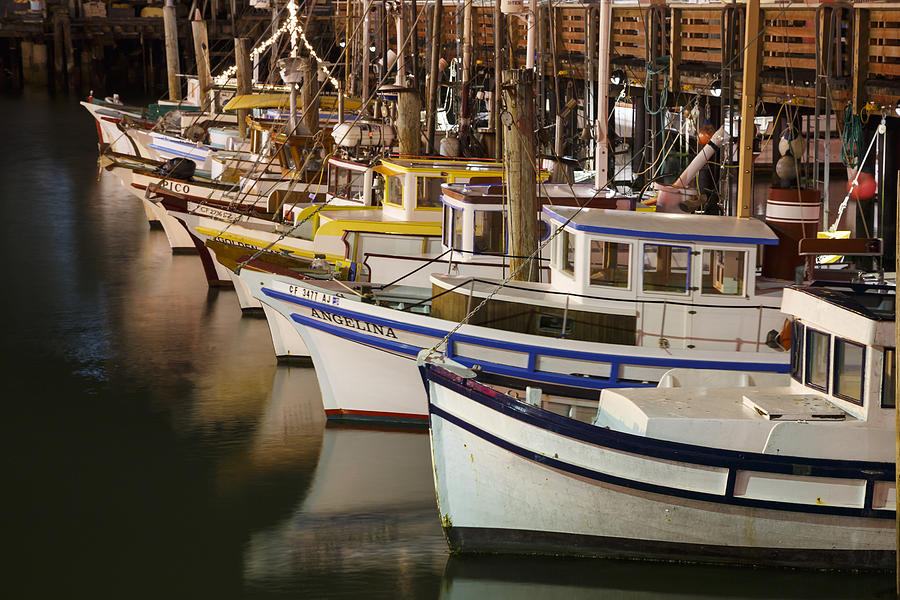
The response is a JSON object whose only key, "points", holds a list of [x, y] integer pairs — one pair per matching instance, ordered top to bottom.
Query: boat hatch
{"points": [[793, 407]]}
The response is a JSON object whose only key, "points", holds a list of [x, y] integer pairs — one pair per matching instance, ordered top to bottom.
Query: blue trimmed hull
{"points": [[511, 477]]}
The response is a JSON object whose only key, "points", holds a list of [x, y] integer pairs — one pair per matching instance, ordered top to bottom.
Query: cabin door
{"points": [[666, 290]]}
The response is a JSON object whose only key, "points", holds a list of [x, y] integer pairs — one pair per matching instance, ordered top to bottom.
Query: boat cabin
{"points": [[411, 189], [474, 214], [648, 255], [658, 280], [842, 345], [837, 402]]}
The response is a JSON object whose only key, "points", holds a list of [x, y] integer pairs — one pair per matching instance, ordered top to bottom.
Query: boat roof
{"points": [[438, 165], [664, 226], [876, 303], [861, 313]]}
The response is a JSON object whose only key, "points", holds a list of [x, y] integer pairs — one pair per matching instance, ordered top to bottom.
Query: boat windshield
{"points": [[346, 183]]}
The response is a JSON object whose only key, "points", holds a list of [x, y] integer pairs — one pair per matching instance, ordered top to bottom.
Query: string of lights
{"points": [[292, 26]]}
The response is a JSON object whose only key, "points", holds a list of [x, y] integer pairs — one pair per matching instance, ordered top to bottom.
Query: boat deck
{"points": [[782, 419]]}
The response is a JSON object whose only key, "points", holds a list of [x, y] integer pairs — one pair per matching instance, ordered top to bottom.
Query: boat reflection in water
{"points": [[369, 517], [526, 578]]}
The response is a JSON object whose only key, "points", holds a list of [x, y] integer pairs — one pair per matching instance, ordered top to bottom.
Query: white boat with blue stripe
{"points": [[633, 295], [792, 470]]}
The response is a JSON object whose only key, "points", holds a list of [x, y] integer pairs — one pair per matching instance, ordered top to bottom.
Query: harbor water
{"points": [[153, 448]]}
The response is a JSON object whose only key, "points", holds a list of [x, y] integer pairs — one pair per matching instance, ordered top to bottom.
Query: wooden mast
{"points": [[748, 108]]}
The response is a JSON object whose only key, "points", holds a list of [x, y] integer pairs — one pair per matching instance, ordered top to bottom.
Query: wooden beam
{"points": [[753, 24]]}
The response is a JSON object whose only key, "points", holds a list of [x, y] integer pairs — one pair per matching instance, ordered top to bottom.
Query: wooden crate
{"points": [[572, 30], [700, 38], [789, 42], [884, 44]]}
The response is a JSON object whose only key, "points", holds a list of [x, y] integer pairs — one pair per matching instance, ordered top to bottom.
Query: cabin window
{"points": [[347, 184], [428, 192], [394, 193], [457, 228], [543, 229], [446, 230], [490, 236], [567, 252], [609, 263], [666, 268], [723, 272], [552, 324], [817, 348], [797, 350], [849, 361], [888, 379]]}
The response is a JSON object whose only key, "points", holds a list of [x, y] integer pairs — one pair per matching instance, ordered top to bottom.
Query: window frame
{"points": [[420, 180], [388, 198], [505, 236], [564, 252], [628, 269], [745, 270], [688, 276], [798, 344], [806, 355], [892, 362], [862, 373]]}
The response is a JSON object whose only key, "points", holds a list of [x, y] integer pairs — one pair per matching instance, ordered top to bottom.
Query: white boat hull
{"points": [[286, 339], [382, 344], [509, 480]]}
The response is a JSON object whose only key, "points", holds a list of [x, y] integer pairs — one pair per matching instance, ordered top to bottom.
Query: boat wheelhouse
{"points": [[474, 215], [557, 336], [720, 467]]}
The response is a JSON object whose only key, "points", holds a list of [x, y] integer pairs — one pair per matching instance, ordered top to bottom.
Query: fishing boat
{"points": [[351, 232], [633, 294], [728, 468]]}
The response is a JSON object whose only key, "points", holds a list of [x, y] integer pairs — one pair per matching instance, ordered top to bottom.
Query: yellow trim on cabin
{"points": [[384, 170], [339, 226]]}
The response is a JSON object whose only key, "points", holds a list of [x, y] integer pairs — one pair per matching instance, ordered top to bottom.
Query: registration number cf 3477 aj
{"points": [[313, 295]]}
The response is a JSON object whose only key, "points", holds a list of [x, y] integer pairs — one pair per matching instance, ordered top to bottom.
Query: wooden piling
{"points": [[437, 15], [499, 30], [69, 52], [201, 54], [172, 63], [59, 76], [244, 79], [309, 94], [748, 107], [409, 127], [521, 175]]}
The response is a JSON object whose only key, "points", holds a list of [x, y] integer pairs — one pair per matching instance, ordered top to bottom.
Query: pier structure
{"points": [[673, 74]]}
